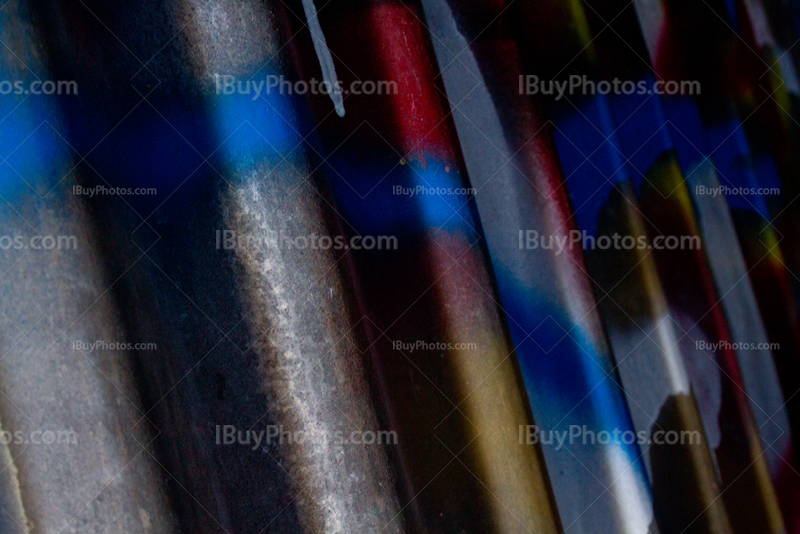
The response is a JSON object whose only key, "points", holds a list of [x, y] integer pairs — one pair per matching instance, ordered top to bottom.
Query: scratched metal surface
{"points": [[249, 337]]}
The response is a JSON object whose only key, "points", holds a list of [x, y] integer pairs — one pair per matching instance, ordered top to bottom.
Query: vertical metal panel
{"points": [[625, 134], [666, 206], [762, 243], [727, 261], [545, 293], [257, 335], [459, 340], [457, 411], [77, 452]]}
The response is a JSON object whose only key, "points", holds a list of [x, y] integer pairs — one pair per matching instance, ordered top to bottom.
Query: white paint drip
{"points": [[324, 55]]}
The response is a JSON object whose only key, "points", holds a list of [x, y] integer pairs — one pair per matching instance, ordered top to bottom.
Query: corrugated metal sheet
{"points": [[333, 267]]}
